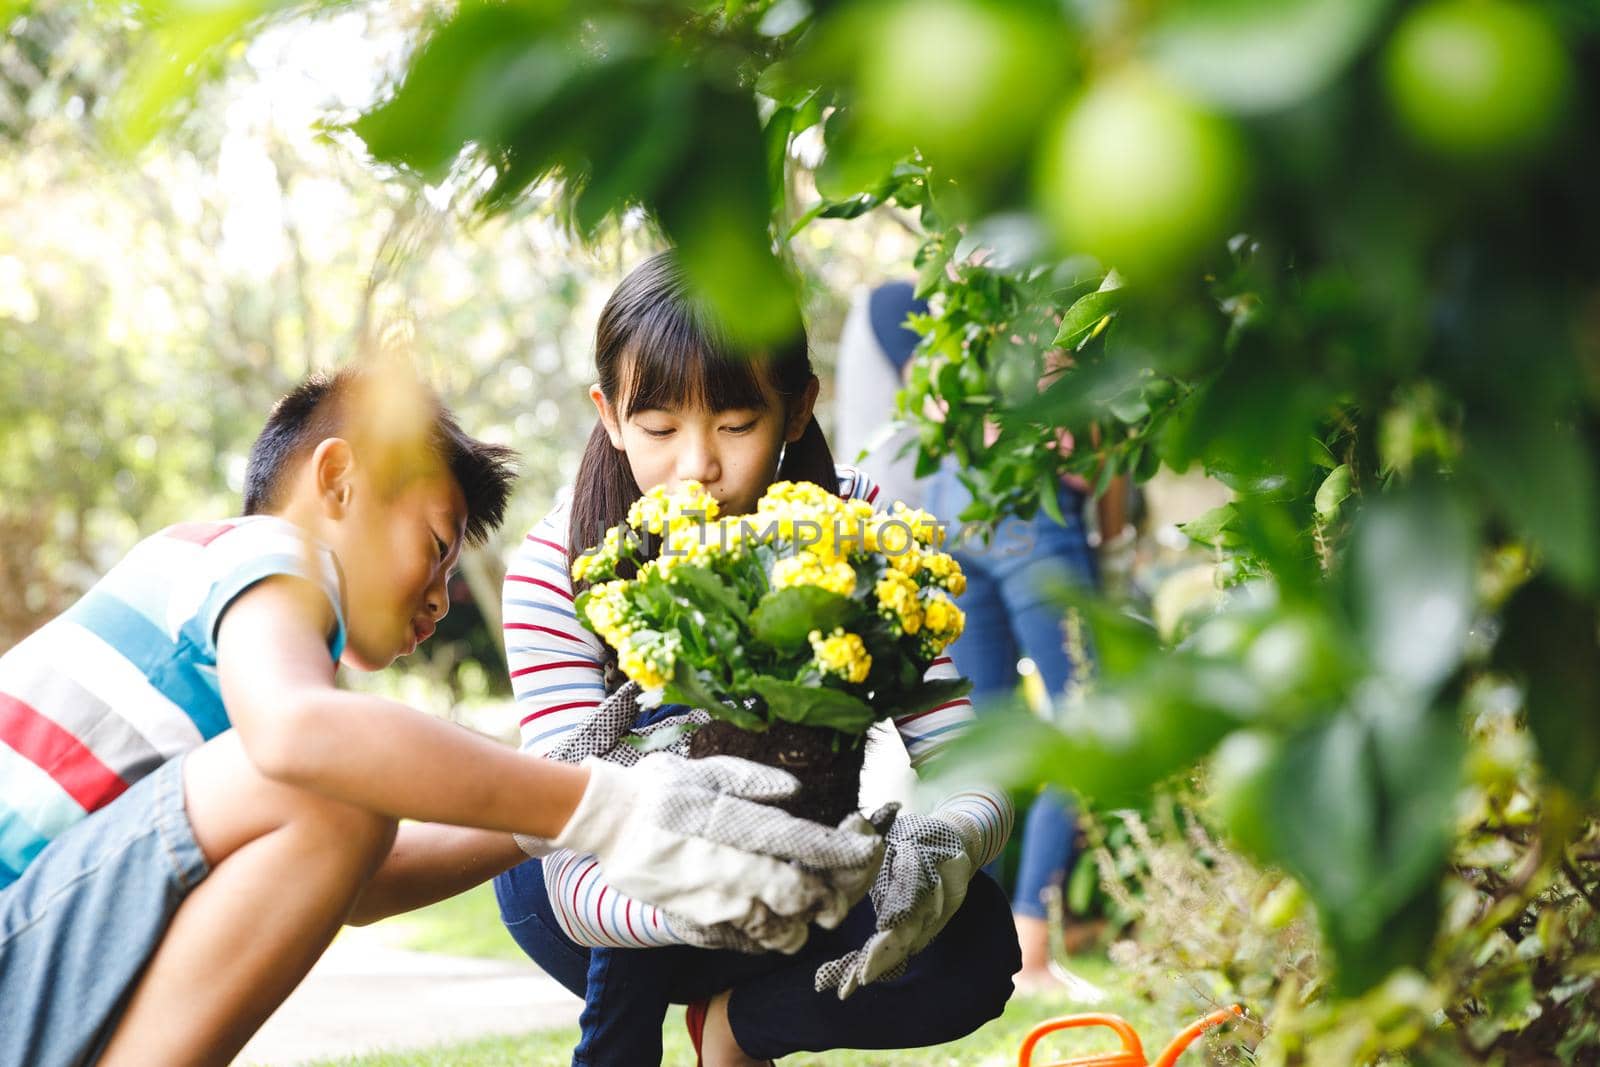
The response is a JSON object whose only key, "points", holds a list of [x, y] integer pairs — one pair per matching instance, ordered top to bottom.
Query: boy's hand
{"points": [[693, 837], [761, 930]]}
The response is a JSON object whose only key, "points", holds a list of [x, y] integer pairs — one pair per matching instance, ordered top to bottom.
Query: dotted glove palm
{"points": [[605, 733], [927, 865]]}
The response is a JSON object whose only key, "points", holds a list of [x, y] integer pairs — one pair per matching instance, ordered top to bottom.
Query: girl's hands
{"points": [[926, 869]]}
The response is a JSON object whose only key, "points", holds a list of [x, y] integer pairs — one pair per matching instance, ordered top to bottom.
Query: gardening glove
{"points": [[605, 733], [697, 838], [927, 865], [763, 930]]}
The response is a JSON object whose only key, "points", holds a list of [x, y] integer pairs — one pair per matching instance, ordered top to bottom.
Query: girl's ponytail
{"points": [[810, 460], [601, 493]]}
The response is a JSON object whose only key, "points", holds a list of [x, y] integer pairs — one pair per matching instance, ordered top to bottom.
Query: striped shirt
{"points": [[556, 676], [126, 678]]}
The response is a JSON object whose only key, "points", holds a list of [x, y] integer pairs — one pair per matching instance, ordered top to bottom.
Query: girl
{"points": [[675, 403]]}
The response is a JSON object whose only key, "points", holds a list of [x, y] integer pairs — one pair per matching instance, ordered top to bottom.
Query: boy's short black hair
{"points": [[320, 407]]}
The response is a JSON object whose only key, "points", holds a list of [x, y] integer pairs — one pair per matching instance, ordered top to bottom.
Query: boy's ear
{"points": [[800, 414], [608, 415], [333, 469]]}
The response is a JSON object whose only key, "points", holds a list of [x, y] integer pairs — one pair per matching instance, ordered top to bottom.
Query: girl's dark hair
{"points": [[658, 346]]}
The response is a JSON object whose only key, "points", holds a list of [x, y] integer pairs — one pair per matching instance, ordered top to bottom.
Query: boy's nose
{"points": [[439, 598]]}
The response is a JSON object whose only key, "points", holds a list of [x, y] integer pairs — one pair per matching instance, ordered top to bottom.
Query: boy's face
{"points": [[397, 552]]}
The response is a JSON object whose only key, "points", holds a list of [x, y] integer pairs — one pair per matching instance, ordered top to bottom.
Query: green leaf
{"points": [[1262, 55], [172, 61], [776, 135], [930, 274], [1084, 316], [1322, 455], [1544, 480], [1049, 490], [1333, 491], [1216, 527], [1409, 584], [710, 588], [785, 617], [1552, 644], [689, 687], [813, 705], [659, 739], [1362, 812]]}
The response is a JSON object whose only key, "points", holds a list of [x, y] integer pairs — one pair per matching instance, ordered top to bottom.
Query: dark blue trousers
{"points": [[956, 984]]}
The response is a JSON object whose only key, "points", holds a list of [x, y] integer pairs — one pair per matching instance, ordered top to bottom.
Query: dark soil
{"points": [[827, 764]]}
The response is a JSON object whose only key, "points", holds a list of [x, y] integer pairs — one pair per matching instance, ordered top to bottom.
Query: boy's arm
{"points": [[277, 682], [698, 837], [431, 862]]}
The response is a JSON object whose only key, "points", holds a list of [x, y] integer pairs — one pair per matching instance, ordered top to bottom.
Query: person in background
{"points": [[874, 351], [1013, 611]]}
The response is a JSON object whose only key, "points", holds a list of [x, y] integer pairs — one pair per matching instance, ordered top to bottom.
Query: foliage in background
{"points": [[1342, 254]]}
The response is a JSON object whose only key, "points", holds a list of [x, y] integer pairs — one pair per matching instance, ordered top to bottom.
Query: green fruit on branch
{"points": [[1477, 78], [964, 82], [1140, 177]]}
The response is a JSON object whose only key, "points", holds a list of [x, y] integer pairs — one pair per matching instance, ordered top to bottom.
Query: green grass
{"points": [[465, 925]]}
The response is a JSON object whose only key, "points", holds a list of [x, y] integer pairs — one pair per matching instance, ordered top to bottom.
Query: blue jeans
{"points": [[1011, 613], [956, 984]]}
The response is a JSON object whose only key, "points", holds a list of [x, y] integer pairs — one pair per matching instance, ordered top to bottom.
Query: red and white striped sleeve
{"points": [[554, 659], [556, 677]]}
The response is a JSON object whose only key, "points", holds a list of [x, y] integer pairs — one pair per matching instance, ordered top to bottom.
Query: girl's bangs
{"points": [[673, 362]]}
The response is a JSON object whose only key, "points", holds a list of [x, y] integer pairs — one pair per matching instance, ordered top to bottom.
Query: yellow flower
{"points": [[808, 496], [689, 502], [924, 526], [601, 560], [806, 569], [945, 572], [897, 601], [607, 611], [943, 621], [841, 654], [649, 658]]}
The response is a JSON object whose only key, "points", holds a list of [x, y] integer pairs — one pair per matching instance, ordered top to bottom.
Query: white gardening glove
{"points": [[693, 837], [927, 865]]}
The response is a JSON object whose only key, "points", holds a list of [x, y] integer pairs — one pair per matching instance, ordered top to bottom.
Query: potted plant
{"points": [[795, 627]]}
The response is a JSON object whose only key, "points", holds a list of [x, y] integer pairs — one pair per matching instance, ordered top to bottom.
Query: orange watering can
{"points": [[1131, 1054]]}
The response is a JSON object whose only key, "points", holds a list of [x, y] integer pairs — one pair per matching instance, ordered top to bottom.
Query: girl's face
{"points": [[733, 453]]}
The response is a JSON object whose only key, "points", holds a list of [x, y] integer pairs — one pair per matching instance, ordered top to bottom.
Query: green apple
{"points": [[1477, 78], [964, 81], [1139, 176]]}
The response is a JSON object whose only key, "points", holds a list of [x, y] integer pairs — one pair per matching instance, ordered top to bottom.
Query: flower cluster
{"points": [[808, 591], [841, 655]]}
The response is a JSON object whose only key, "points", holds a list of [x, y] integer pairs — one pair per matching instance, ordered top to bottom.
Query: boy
{"points": [[189, 807]]}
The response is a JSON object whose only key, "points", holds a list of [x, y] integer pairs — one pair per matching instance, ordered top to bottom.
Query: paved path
{"points": [[365, 996]]}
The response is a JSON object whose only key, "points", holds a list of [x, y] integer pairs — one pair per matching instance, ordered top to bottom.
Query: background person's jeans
{"points": [[1010, 613]]}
